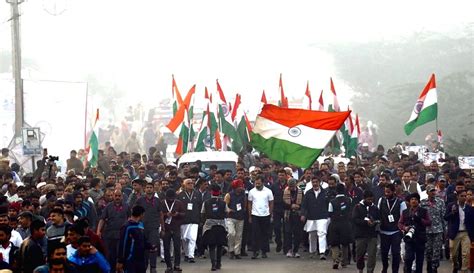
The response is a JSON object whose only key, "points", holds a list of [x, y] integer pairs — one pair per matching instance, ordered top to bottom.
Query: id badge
{"points": [[190, 206], [239, 207], [390, 218], [168, 220]]}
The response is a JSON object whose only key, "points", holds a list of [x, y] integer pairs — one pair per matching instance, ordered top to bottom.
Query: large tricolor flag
{"points": [[426, 108], [207, 133], [295, 136], [93, 154]]}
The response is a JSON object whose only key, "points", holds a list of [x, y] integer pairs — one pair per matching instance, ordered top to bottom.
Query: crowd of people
{"points": [[133, 210]]}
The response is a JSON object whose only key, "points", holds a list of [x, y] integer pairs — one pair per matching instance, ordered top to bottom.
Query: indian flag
{"points": [[426, 108], [295, 136], [93, 155]]}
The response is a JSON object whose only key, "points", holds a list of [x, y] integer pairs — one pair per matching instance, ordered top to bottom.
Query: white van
{"points": [[223, 160]]}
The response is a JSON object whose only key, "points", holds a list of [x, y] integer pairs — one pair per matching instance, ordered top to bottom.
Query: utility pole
{"points": [[16, 54]]}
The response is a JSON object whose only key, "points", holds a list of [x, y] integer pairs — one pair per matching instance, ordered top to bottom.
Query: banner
{"points": [[466, 162]]}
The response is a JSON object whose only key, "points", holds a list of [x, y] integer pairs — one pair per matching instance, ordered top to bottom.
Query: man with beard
{"points": [[277, 189], [292, 197], [192, 201], [260, 209], [391, 209], [236, 210], [314, 210], [173, 213], [113, 217], [365, 217], [414, 219], [151, 222], [339, 232]]}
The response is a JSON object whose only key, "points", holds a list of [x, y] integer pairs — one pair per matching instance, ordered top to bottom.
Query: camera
{"points": [[53, 158], [409, 234]]}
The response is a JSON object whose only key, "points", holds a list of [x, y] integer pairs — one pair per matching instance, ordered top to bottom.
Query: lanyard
{"points": [[189, 197], [172, 205], [391, 208]]}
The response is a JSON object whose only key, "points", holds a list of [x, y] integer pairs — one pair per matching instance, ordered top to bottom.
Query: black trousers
{"points": [[277, 227], [293, 229], [260, 233], [174, 236], [393, 242], [112, 250], [414, 251], [215, 253]]}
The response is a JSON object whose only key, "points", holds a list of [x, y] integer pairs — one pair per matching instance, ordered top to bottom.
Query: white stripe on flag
{"points": [[301, 134]]}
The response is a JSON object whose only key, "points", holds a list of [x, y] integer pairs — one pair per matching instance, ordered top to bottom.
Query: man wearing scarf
{"points": [[292, 198], [236, 209]]}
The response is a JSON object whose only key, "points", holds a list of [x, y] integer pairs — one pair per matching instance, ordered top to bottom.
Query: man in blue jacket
{"points": [[460, 217], [130, 257], [87, 261]]}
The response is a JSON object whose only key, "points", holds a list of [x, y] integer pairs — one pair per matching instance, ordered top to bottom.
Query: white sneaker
{"points": [[289, 254], [297, 255]]}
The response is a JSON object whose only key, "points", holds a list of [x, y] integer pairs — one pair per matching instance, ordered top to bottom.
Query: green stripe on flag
{"points": [[426, 115], [94, 149], [286, 151]]}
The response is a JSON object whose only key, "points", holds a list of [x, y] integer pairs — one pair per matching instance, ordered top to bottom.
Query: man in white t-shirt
{"points": [[260, 208]]}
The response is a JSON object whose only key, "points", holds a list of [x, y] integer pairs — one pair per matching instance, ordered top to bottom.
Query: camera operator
{"points": [[366, 217], [413, 223]]}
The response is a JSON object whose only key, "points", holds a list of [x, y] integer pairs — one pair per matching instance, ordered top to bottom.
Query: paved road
{"points": [[278, 263]]}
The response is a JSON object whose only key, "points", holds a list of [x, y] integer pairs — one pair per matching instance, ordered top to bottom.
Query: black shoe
{"points": [[278, 248], [244, 254], [231, 255], [264, 255], [255, 256], [237, 257], [186, 258], [191, 260], [218, 266], [335, 266], [213, 268], [177, 269], [169, 270]]}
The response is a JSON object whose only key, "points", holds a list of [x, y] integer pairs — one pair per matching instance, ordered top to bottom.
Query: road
{"points": [[278, 263]]}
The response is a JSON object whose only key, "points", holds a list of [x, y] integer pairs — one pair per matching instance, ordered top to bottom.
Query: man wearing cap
{"points": [[192, 201], [236, 209], [24, 219], [414, 219], [292, 226], [434, 233]]}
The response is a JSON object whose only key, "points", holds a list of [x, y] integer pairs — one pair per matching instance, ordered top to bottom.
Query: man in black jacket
{"points": [[192, 201], [278, 206], [391, 209], [314, 210], [365, 218], [413, 223], [31, 254]]}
